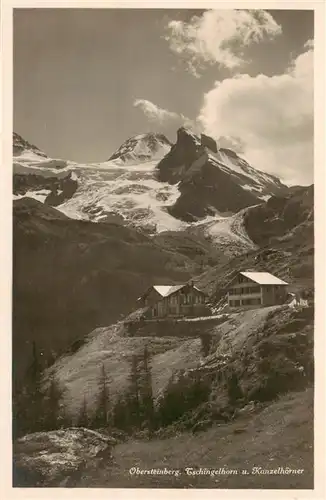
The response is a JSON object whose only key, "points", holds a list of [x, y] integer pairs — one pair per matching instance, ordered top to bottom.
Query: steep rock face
{"points": [[212, 180], [280, 215]]}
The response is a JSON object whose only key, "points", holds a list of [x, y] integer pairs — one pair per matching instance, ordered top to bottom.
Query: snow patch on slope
{"points": [[29, 162], [255, 181], [131, 192], [36, 195], [228, 232]]}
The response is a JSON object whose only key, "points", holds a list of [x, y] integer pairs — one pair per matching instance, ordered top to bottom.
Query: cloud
{"points": [[219, 36], [154, 112], [162, 116], [272, 116]]}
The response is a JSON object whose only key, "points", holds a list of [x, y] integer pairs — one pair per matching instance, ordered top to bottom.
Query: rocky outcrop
{"points": [[20, 145], [212, 180], [57, 189], [280, 215], [59, 457]]}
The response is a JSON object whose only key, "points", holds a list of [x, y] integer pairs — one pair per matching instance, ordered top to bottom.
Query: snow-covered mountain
{"points": [[141, 148], [37, 176], [152, 185], [193, 200]]}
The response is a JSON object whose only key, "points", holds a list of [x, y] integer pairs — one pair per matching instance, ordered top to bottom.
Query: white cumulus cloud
{"points": [[219, 36], [160, 115], [272, 116]]}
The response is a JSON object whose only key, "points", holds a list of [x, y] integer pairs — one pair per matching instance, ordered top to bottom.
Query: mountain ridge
{"points": [[211, 178], [148, 183]]}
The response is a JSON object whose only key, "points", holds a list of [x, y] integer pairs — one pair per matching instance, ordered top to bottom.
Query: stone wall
{"points": [[171, 328]]}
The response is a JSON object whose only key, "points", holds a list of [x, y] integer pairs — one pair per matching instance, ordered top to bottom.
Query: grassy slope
{"points": [[73, 276], [79, 372], [281, 435]]}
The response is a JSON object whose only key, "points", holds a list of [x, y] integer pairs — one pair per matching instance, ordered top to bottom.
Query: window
{"points": [[254, 289], [251, 302], [234, 303]]}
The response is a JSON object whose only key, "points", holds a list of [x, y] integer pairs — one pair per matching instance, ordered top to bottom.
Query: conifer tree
{"points": [[206, 341], [234, 389], [33, 394], [133, 394], [172, 404], [36, 408], [102, 411], [148, 411], [53, 414], [120, 414], [83, 420]]}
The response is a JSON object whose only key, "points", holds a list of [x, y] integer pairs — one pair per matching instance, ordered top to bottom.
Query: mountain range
{"points": [[147, 183], [89, 238]]}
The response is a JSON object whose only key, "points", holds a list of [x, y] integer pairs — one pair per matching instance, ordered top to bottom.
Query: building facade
{"points": [[256, 289], [162, 301]]}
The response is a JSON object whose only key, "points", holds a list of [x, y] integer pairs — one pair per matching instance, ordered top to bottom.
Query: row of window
{"points": [[243, 279], [249, 289], [186, 299], [245, 302], [251, 302]]}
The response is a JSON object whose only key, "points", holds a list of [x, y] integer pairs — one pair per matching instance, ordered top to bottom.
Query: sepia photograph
{"points": [[163, 292]]}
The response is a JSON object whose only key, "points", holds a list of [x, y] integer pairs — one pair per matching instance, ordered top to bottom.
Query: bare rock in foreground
{"points": [[59, 457]]}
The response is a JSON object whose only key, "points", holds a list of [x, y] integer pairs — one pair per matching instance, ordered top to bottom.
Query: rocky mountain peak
{"points": [[20, 145], [142, 148], [212, 179]]}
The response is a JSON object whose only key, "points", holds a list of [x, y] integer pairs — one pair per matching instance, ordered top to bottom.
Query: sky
{"points": [[85, 80]]}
